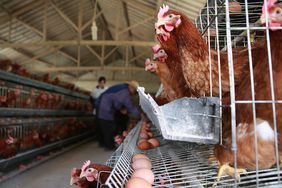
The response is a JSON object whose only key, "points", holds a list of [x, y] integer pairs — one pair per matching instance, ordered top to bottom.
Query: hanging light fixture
{"points": [[94, 29]]}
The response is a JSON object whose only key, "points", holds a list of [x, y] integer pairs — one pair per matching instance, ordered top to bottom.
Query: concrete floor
{"points": [[55, 173]]}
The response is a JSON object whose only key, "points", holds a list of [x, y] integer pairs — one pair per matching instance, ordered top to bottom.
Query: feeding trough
{"points": [[186, 119]]}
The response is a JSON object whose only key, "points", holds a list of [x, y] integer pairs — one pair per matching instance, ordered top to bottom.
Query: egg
{"points": [[143, 131], [124, 133], [150, 134], [144, 135], [141, 140], [154, 142], [145, 145], [139, 156], [141, 164], [145, 174], [137, 183]]}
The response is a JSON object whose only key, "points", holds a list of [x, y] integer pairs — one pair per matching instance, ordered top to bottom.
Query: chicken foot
{"points": [[228, 170]]}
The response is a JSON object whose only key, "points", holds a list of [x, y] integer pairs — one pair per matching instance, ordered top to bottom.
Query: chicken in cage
{"points": [[234, 55]]}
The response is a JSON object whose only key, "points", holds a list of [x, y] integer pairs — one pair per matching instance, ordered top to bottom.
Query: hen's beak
{"points": [[262, 19], [155, 57], [82, 174], [72, 181]]}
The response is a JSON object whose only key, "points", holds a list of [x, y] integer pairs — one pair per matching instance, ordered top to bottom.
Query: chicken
{"points": [[183, 42], [6, 65], [163, 72], [46, 78], [56, 81], [172, 92], [13, 97], [29, 99], [41, 100], [161, 100], [37, 140], [27, 141], [9, 146], [246, 157], [95, 172], [81, 182]]}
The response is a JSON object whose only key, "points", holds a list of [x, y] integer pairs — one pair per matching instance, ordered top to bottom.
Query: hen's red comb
{"points": [[269, 4], [162, 11], [156, 48], [147, 62], [85, 165], [73, 172]]}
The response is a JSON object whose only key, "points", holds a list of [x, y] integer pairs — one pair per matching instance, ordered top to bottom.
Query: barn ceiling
{"points": [[54, 21]]}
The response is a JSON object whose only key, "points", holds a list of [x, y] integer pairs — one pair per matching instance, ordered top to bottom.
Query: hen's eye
{"points": [[278, 11], [170, 16], [89, 170]]}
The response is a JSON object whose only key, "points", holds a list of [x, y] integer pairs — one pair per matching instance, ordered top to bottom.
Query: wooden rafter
{"points": [[158, 4], [124, 5], [140, 7], [23, 9], [63, 15], [89, 22], [136, 24], [33, 29], [75, 42], [111, 52], [94, 53], [27, 55], [40, 55], [137, 57], [90, 68]]}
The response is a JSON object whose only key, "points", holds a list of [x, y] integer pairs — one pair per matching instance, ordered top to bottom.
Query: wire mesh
{"points": [[17, 96], [36, 132], [180, 164]]}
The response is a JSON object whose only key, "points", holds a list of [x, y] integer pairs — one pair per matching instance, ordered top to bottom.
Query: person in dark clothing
{"points": [[95, 94], [116, 98], [121, 120]]}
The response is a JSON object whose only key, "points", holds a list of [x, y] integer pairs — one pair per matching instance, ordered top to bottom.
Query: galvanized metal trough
{"points": [[186, 119]]}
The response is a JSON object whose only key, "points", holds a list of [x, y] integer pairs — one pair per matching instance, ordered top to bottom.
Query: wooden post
{"points": [[45, 11], [117, 23], [10, 28], [126, 56]]}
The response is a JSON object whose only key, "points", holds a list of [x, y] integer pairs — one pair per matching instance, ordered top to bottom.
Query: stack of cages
{"points": [[247, 32], [243, 38], [13, 95], [38, 121], [23, 139]]}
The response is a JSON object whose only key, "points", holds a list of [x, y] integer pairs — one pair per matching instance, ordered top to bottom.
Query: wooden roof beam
{"points": [[141, 7], [23, 9], [125, 10], [64, 16], [136, 24], [40, 33], [75, 43], [40, 55], [90, 68]]}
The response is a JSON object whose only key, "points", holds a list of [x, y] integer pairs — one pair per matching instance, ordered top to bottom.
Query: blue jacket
{"points": [[113, 99]]}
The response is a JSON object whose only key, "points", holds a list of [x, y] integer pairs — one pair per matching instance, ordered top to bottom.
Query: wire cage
{"points": [[18, 96], [250, 107], [20, 135], [179, 164]]}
